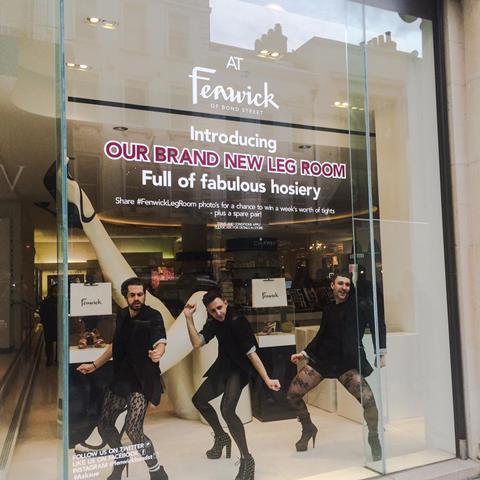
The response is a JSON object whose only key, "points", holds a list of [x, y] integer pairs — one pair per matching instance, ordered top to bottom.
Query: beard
{"points": [[137, 305]]}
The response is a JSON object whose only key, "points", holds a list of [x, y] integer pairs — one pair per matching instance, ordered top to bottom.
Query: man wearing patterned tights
{"points": [[138, 344], [334, 353]]}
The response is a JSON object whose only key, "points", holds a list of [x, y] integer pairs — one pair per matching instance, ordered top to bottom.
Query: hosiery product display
{"points": [[231, 386], [360, 389]]}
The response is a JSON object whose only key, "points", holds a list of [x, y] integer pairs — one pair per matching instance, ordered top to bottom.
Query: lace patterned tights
{"points": [[308, 378], [136, 405]]}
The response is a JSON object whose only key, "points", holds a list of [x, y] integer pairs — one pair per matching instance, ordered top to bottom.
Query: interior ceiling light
{"points": [[276, 7], [101, 22], [78, 66], [346, 105], [119, 128]]}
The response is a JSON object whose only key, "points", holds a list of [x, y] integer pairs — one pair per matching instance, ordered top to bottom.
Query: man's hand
{"points": [[189, 310], [157, 353], [296, 358], [383, 361], [86, 368], [273, 385]]}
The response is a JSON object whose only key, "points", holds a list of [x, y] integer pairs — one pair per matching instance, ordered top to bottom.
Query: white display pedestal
{"points": [[84, 355], [400, 378], [325, 395]]}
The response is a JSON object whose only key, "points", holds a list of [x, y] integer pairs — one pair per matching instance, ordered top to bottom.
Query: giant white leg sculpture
{"points": [[176, 367]]}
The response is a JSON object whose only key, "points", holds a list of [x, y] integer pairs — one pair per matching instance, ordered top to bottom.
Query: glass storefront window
{"points": [[285, 154], [31, 440]]}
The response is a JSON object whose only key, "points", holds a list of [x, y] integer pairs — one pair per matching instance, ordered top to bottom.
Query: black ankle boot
{"points": [[309, 431], [221, 440], [375, 446], [247, 468], [159, 474]]}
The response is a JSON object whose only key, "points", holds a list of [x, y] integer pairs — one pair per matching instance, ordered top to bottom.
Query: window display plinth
{"points": [[275, 351], [86, 394]]}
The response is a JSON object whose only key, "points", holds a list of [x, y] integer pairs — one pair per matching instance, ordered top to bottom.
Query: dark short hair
{"points": [[341, 273], [131, 281], [211, 295]]}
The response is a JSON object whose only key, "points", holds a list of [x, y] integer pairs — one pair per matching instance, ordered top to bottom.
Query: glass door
{"points": [[398, 250]]}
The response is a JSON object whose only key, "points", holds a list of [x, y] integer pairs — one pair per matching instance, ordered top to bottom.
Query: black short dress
{"points": [[337, 346], [133, 371]]}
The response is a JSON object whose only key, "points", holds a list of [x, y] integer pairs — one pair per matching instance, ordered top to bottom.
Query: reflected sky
{"points": [[240, 22]]}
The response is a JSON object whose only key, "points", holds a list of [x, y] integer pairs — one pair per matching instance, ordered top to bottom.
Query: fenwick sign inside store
{"points": [[229, 94]]}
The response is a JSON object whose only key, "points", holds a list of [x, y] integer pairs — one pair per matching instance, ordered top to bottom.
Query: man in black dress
{"points": [[138, 344], [337, 352], [237, 360]]}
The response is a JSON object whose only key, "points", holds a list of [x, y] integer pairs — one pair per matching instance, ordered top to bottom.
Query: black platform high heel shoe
{"points": [[76, 216], [309, 431], [221, 440], [241, 470], [248, 470], [117, 471]]}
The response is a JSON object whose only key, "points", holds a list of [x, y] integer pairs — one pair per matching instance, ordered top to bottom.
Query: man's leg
{"points": [[305, 380], [211, 388], [233, 389], [360, 389], [113, 406], [136, 409]]}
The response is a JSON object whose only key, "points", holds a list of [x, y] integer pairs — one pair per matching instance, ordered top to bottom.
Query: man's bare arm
{"points": [[196, 339]]}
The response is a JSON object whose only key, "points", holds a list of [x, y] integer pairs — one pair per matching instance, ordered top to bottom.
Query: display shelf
{"points": [[277, 339], [85, 355]]}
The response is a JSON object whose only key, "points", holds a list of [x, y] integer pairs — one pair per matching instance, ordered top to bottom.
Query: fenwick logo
{"points": [[201, 87]]}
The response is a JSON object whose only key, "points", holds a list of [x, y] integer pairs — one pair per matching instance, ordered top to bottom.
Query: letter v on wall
{"points": [[17, 176]]}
